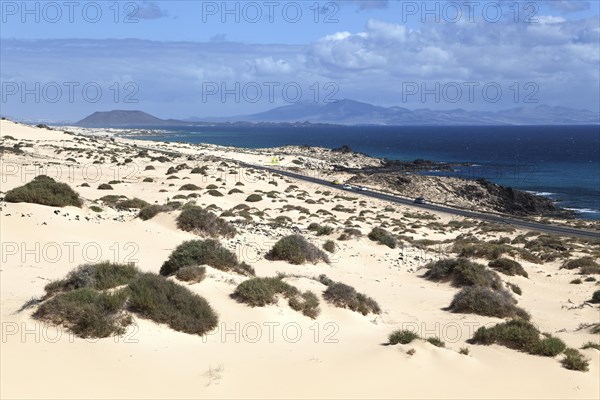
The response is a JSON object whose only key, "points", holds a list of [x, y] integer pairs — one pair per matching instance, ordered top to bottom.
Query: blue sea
{"points": [[560, 162]]}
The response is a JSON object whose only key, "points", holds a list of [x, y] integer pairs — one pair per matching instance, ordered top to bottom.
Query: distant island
{"points": [[350, 112]]}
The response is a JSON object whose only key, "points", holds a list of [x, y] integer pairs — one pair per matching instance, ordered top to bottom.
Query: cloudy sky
{"points": [[177, 59]]}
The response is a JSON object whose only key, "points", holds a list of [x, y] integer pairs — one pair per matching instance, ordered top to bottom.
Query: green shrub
{"points": [[149, 168], [199, 170], [148, 180], [105, 186], [190, 186], [212, 186], [45, 191], [234, 191], [215, 193], [254, 198], [132, 203], [96, 209], [150, 211], [200, 221], [320, 230], [350, 233], [383, 237], [329, 246], [296, 250], [199, 252], [582, 262], [508, 267], [462, 272], [192, 274], [100, 276], [325, 280], [576, 282], [515, 288], [259, 292], [345, 296], [595, 297], [163, 301], [487, 302], [307, 304], [86, 312], [519, 335], [402, 337], [436, 341], [591, 345], [549, 346], [464, 351], [574, 360]]}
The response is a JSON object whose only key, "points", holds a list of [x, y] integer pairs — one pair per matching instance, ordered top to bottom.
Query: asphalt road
{"points": [[515, 222]]}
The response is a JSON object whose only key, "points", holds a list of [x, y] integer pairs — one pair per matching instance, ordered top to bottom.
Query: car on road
{"points": [[336, 182], [347, 187], [360, 188], [420, 200]]}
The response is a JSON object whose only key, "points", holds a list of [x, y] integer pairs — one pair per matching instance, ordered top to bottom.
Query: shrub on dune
{"points": [[105, 186], [190, 186], [45, 191], [254, 198], [132, 203], [150, 212], [200, 221], [383, 237], [296, 250], [203, 252], [508, 267], [462, 272], [191, 274], [100, 276], [259, 292], [345, 296], [595, 297], [164, 301], [487, 302], [86, 312], [402, 336], [574, 360]]}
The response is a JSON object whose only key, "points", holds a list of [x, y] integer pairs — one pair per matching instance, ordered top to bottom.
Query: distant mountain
{"points": [[350, 112], [103, 119]]}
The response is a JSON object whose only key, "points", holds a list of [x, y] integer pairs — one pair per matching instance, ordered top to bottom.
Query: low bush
{"points": [[148, 180], [105, 186], [190, 186], [45, 191], [215, 193], [253, 198], [132, 203], [150, 211], [200, 221], [320, 230], [350, 233], [383, 237], [329, 246], [296, 250], [201, 252], [586, 263], [508, 267], [462, 272], [191, 274], [100, 276], [515, 288], [259, 292], [345, 296], [595, 297], [160, 300], [487, 302], [86, 312], [519, 335], [402, 336], [436, 341], [591, 345], [574, 360]]}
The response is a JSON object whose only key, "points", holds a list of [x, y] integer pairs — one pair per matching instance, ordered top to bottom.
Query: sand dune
{"points": [[262, 352]]}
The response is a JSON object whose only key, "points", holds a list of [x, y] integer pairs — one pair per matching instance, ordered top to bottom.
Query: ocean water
{"points": [[561, 162]]}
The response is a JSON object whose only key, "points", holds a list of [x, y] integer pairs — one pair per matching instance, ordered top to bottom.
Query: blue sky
{"points": [[63, 60]]}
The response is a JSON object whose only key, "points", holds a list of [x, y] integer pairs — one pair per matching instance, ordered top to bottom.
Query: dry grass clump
{"points": [[383, 237], [508, 267], [487, 302]]}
